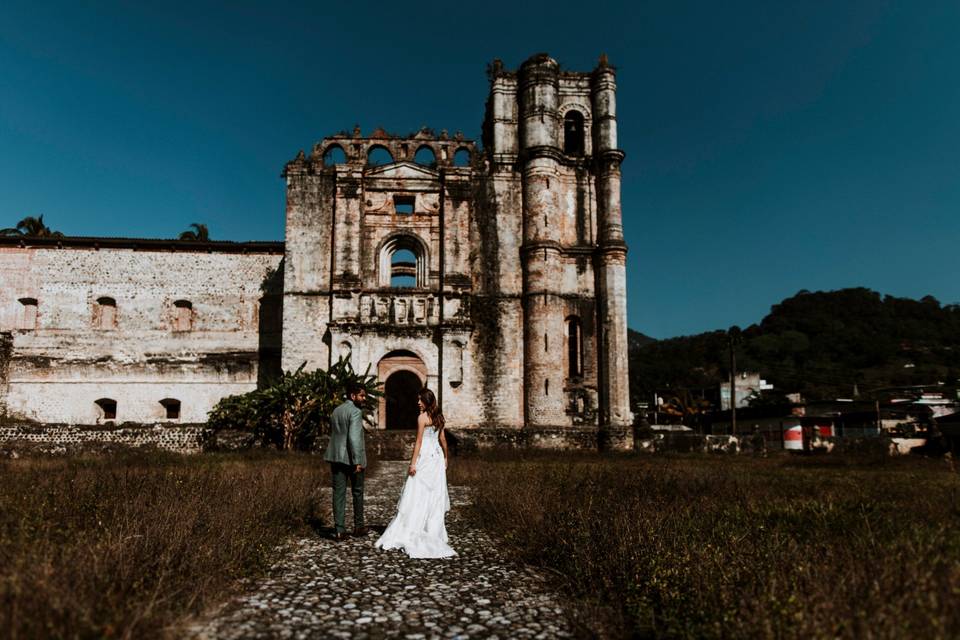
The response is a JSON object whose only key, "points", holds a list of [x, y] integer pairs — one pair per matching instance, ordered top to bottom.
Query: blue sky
{"points": [[771, 146]]}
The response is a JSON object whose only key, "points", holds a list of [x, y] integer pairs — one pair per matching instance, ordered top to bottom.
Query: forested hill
{"points": [[820, 344]]}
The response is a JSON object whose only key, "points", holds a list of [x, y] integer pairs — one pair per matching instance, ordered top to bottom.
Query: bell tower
{"points": [[562, 127]]}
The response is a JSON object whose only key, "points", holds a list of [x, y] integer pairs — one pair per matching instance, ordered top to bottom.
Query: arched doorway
{"points": [[403, 374], [400, 395]]}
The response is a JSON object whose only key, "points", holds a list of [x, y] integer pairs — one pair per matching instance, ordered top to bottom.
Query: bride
{"points": [[418, 528]]}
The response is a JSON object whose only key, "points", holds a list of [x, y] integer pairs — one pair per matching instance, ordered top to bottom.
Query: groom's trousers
{"points": [[341, 473]]}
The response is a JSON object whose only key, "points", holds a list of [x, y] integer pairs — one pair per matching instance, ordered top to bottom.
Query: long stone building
{"points": [[493, 275]]}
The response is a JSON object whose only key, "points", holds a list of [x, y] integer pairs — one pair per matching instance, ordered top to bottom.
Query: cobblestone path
{"points": [[326, 589]]}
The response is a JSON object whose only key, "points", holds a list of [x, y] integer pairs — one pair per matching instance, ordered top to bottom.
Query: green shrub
{"points": [[293, 411]]}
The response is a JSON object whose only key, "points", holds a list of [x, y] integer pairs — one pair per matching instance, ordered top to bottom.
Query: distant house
{"points": [[748, 386]]}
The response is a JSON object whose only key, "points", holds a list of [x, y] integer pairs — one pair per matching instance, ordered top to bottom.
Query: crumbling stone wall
{"points": [[512, 308], [518, 309], [69, 357]]}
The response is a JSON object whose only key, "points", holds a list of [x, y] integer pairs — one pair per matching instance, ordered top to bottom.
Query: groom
{"points": [[347, 457]]}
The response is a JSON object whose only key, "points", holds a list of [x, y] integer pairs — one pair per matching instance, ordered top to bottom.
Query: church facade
{"points": [[493, 274]]}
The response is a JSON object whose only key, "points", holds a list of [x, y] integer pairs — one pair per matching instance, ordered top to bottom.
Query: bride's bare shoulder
{"points": [[423, 419]]}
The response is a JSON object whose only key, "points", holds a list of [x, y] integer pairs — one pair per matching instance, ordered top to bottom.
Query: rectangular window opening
{"points": [[403, 205]]}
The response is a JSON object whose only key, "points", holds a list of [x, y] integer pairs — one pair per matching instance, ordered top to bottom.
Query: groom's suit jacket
{"points": [[346, 436]]}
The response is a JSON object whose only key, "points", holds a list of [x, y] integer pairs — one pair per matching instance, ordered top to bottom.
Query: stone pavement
{"points": [[325, 589]]}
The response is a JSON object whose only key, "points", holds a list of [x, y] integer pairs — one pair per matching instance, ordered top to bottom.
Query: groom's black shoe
{"points": [[361, 531], [339, 536]]}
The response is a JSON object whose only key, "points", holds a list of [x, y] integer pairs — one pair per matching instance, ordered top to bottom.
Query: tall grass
{"points": [[123, 546], [736, 547]]}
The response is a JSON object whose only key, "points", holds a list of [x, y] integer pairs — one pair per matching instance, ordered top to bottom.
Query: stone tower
{"points": [[555, 132], [496, 277]]}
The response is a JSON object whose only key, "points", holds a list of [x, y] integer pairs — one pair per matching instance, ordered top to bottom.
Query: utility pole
{"points": [[734, 335], [733, 389]]}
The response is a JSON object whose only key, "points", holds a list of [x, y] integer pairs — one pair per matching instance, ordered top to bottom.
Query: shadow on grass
{"points": [[719, 546]]}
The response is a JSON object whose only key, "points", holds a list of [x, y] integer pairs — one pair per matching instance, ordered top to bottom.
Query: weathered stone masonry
{"points": [[495, 276], [514, 304], [142, 324]]}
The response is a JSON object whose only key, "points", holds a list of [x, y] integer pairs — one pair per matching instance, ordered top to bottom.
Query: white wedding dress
{"points": [[418, 528]]}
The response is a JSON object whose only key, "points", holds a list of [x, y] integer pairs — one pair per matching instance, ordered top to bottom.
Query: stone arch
{"points": [[574, 106], [574, 133], [334, 154], [378, 155], [425, 156], [462, 157], [398, 241], [105, 313], [183, 315], [403, 374], [171, 408], [106, 409]]}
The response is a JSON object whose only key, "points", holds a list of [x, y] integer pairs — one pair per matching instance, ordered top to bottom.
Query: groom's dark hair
{"points": [[354, 388]]}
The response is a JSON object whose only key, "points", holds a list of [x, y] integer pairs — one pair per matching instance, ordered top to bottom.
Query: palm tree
{"points": [[32, 228], [197, 233]]}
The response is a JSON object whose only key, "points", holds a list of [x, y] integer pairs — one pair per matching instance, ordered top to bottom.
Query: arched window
{"points": [[573, 133], [334, 155], [378, 155], [425, 157], [461, 158], [403, 262], [403, 268], [28, 314], [105, 314], [183, 320], [574, 348], [172, 408], [106, 409]]}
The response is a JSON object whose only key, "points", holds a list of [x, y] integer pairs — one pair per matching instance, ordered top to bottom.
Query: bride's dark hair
{"points": [[432, 408]]}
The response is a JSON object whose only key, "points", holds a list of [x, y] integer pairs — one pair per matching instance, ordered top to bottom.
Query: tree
{"points": [[31, 227], [197, 233], [816, 343], [685, 406], [294, 410]]}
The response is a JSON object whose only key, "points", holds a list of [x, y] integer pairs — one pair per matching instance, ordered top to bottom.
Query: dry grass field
{"points": [[653, 546], [105, 547], [735, 547]]}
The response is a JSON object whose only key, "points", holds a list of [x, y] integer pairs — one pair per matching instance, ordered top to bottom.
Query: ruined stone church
{"points": [[493, 274]]}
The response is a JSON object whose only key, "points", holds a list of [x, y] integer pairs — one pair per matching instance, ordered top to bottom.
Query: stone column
{"points": [[611, 258], [543, 310]]}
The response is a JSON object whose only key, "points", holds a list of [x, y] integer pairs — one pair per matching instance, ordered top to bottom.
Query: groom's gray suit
{"points": [[345, 453]]}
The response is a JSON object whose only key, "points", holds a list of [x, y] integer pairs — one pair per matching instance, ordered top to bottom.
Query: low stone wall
{"points": [[63, 438], [558, 438], [398, 444], [387, 445]]}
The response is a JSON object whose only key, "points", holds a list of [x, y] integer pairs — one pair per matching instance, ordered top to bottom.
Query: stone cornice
{"points": [[143, 244]]}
